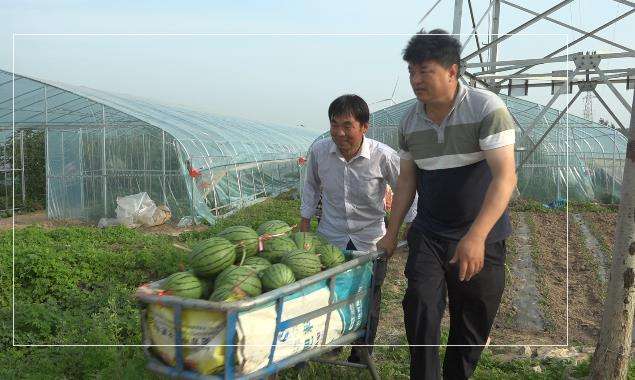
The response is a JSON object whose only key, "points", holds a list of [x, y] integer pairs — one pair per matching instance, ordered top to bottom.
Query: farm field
{"points": [[74, 285]]}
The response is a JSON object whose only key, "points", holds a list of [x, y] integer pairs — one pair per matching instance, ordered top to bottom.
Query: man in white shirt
{"points": [[350, 172]]}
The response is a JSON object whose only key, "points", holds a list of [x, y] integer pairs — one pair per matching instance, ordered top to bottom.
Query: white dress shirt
{"points": [[352, 192]]}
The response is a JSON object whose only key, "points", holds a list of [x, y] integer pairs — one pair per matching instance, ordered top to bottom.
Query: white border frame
{"points": [[272, 35]]}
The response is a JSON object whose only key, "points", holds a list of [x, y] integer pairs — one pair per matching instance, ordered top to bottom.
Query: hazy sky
{"points": [[282, 79]]}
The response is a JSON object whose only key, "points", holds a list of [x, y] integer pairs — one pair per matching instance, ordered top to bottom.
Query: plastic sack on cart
{"points": [[136, 210], [199, 327], [256, 328]]}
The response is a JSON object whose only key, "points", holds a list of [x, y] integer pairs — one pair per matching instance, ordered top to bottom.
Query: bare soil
{"points": [[40, 218], [602, 226], [585, 295]]}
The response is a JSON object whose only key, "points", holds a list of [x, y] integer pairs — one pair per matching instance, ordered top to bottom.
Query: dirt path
{"points": [[36, 218], [40, 218], [594, 247], [584, 295], [525, 303]]}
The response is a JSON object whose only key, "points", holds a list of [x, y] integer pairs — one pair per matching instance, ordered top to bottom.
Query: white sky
{"points": [[282, 79]]}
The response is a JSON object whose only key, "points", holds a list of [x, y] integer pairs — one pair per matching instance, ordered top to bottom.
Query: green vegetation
{"points": [[74, 285]]}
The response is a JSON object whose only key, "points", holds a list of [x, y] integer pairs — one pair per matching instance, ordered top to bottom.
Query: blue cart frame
{"points": [[231, 310]]}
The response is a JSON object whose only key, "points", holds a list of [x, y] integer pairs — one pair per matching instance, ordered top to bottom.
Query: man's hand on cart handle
{"points": [[305, 225], [388, 244]]}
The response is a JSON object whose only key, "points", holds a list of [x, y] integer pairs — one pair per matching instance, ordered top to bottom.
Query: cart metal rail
{"points": [[231, 310]]}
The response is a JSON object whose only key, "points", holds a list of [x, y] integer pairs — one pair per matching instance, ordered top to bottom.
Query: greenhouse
{"points": [[79, 149], [593, 159]]}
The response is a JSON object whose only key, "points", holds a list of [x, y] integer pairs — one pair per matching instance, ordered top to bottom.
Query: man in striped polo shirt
{"points": [[457, 150]]}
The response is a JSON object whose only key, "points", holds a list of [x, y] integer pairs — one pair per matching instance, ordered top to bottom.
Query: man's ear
{"points": [[454, 71], [364, 127]]}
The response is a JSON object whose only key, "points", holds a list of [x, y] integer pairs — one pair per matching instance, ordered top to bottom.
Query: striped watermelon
{"points": [[275, 228], [245, 238], [306, 240], [274, 249], [330, 255], [212, 256], [257, 262], [302, 263], [276, 276], [243, 278], [184, 284], [227, 294]]}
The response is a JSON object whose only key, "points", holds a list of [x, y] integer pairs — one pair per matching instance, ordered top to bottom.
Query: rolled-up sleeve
{"points": [[311, 190]]}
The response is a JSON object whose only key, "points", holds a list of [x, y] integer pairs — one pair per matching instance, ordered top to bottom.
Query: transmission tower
{"points": [[588, 105]]}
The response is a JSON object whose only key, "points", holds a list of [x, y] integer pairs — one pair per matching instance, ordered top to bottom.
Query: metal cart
{"points": [[232, 309]]}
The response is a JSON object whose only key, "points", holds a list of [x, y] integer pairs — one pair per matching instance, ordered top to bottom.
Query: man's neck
{"points": [[438, 110], [353, 152]]}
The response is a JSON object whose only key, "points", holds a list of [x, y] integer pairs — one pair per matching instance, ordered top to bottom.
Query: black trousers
{"points": [[379, 274], [473, 306]]}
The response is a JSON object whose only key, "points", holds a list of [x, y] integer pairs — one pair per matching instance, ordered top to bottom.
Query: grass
{"points": [[74, 285]]}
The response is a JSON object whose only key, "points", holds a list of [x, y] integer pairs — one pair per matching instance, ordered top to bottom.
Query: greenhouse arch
{"points": [[99, 146]]}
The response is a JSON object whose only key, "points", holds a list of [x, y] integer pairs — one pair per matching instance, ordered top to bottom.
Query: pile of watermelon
{"points": [[239, 262]]}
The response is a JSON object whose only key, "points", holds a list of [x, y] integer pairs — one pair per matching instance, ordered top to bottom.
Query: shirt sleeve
{"points": [[497, 128], [311, 190]]}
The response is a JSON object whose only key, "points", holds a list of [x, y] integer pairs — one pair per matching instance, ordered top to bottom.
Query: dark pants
{"points": [[379, 273], [473, 306]]}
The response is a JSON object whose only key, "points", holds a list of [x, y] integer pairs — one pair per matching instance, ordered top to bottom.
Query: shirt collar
{"points": [[460, 94], [364, 151]]}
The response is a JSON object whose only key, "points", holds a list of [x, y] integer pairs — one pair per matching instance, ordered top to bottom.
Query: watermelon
{"points": [[275, 228], [245, 238], [306, 240], [322, 240], [274, 249], [330, 255], [212, 256], [258, 263], [302, 263], [276, 276], [243, 278], [184, 284], [227, 294]]}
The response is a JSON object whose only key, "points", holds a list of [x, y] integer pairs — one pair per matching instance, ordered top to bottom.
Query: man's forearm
{"points": [[496, 200], [401, 203]]}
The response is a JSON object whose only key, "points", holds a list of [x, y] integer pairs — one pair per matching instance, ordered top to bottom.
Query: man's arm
{"points": [[392, 170], [310, 193], [404, 193], [470, 251]]}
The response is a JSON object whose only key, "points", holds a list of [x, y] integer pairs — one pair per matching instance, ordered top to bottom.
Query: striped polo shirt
{"points": [[452, 173]]}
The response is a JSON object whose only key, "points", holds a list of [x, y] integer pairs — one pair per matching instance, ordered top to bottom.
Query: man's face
{"points": [[431, 81], [347, 132]]}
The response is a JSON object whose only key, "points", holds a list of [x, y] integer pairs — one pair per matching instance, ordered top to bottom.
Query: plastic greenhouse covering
{"points": [[100, 146], [589, 154]]}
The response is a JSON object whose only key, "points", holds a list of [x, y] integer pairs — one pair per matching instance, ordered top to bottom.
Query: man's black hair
{"points": [[436, 45], [350, 104]]}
